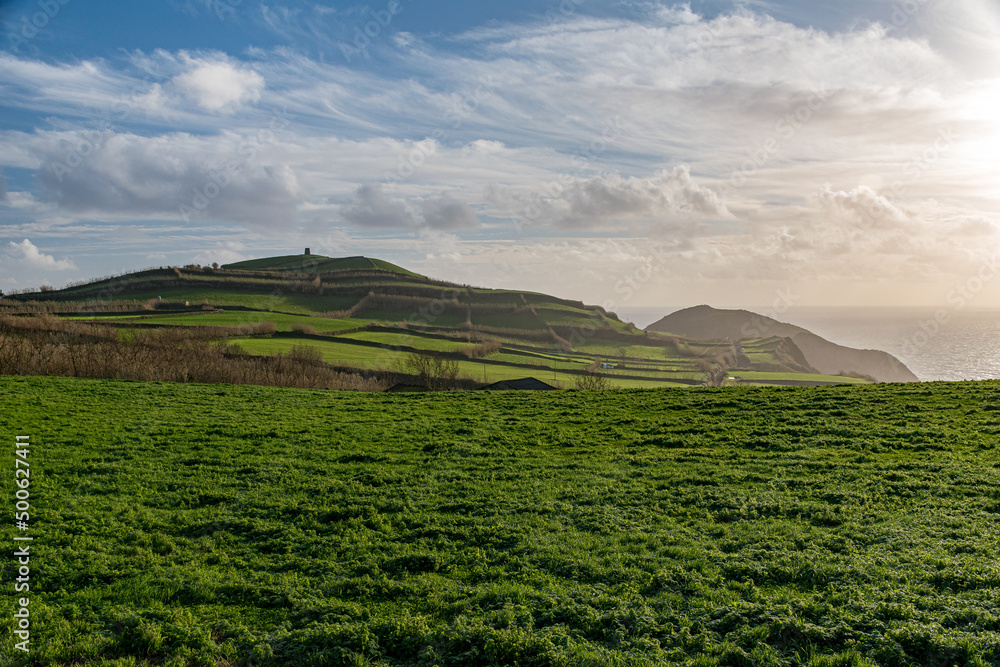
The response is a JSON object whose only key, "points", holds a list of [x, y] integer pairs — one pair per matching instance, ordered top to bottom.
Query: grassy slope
{"points": [[318, 264], [264, 300], [231, 318], [344, 354], [652, 356], [649, 360], [764, 376], [185, 524]]}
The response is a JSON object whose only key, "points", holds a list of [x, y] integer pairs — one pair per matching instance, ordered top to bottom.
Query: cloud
{"points": [[967, 31], [217, 85], [526, 108], [484, 147], [177, 175], [3, 187], [669, 195], [863, 207], [372, 208], [444, 212], [978, 226], [225, 252], [29, 256]]}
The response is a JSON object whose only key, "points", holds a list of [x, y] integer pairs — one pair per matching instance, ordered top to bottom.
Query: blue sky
{"points": [[633, 154]]}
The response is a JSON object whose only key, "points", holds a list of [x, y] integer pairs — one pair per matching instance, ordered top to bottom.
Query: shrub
{"points": [[482, 350], [434, 371], [592, 381]]}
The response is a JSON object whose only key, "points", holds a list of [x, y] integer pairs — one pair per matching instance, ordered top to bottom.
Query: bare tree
{"points": [[433, 370], [592, 381]]}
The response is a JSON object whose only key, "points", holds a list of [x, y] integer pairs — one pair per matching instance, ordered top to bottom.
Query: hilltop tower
{"points": [[307, 251]]}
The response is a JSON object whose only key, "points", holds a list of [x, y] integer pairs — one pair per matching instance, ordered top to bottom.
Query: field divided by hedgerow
{"points": [[181, 524]]}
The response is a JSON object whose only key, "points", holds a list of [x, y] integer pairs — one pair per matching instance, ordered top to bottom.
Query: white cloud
{"points": [[217, 85], [527, 109], [484, 147], [173, 176], [667, 196], [370, 207], [863, 207], [445, 212], [978, 226], [225, 252], [27, 255]]}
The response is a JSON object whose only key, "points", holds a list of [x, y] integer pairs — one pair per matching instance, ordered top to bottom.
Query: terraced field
{"points": [[366, 314]]}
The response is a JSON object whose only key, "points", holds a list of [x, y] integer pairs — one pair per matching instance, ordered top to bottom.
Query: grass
{"points": [[318, 263], [264, 300], [282, 321], [530, 333], [409, 340], [336, 353], [339, 353], [357, 356], [541, 365], [646, 365], [763, 376], [211, 524]]}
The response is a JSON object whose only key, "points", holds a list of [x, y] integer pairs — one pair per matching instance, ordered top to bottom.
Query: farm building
{"points": [[523, 384]]}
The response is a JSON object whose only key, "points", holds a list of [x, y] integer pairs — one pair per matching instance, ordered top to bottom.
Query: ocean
{"points": [[965, 347]]}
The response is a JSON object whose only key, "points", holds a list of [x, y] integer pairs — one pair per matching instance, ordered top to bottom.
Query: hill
{"points": [[318, 264], [367, 316], [705, 322], [213, 525]]}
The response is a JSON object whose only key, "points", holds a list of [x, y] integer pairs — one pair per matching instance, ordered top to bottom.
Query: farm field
{"points": [[263, 300], [291, 301], [282, 322], [339, 353], [638, 373], [764, 376], [184, 524]]}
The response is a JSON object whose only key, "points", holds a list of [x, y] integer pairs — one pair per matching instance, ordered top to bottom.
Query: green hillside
{"points": [[317, 264], [371, 315], [221, 525]]}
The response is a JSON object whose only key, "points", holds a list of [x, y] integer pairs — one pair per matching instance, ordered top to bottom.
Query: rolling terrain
{"points": [[364, 315], [187, 524]]}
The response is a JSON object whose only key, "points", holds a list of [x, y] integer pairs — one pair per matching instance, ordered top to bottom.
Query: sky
{"points": [[629, 154]]}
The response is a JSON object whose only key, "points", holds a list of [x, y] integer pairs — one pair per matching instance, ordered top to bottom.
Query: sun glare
{"points": [[983, 109]]}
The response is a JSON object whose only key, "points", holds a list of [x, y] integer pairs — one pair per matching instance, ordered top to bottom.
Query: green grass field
{"points": [[318, 263], [289, 302], [235, 318], [543, 334], [406, 339], [345, 354], [649, 365], [763, 376], [182, 524]]}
